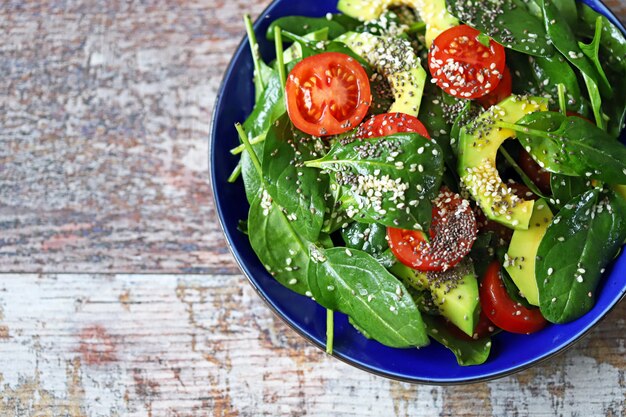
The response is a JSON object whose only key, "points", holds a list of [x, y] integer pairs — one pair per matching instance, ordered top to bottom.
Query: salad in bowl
{"points": [[437, 171]]}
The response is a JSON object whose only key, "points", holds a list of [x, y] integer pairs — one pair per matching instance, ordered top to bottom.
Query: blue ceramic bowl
{"points": [[433, 364]]}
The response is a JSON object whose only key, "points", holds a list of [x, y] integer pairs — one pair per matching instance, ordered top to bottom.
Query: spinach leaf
{"points": [[567, 11], [508, 22], [302, 25], [565, 42], [612, 42], [310, 48], [592, 50], [294, 52], [613, 57], [261, 71], [551, 71], [524, 81], [596, 100], [266, 111], [438, 111], [468, 113], [572, 146], [522, 174], [392, 179], [293, 186], [565, 188], [336, 203], [269, 224], [370, 238], [581, 240], [280, 247], [483, 252], [353, 282], [512, 289], [424, 301], [467, 352]]}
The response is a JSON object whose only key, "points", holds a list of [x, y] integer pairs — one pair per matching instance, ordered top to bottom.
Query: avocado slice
{"points": [[432, 12], [396, 60], [478, 146], [519, 261], [454, 292]]}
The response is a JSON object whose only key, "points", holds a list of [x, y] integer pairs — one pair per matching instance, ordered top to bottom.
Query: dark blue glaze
{"points": [[433, 364]]}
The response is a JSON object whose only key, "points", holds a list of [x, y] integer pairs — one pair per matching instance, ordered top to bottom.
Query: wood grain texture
{"points": [[105, 115], [104, 121], [167, 345]]}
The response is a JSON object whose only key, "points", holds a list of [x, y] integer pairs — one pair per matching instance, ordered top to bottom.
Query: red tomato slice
{"points": [[462, 66], [502, 91], [327, 94], [390, 123], [538, 175], [452, 234], [502, 310]]}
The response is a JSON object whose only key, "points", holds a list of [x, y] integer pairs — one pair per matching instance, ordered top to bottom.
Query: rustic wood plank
{"points": [[105, 120], [167, 345]]}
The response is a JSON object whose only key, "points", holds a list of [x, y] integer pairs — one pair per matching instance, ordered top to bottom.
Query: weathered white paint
{"points": [[207, 345]]}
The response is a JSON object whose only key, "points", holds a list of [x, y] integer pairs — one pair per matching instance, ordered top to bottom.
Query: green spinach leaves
{"points": [[509, 22], [572, 146], [392, 179], [579, 243], [353, 282]]}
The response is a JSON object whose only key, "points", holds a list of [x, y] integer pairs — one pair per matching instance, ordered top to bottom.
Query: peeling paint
{"points": [[96, 346]]}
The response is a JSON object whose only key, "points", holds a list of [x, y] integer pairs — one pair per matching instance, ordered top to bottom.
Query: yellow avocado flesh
{"points": [[432, 12], [407, 84], [478, 146], [521, 256], [458, 303]]}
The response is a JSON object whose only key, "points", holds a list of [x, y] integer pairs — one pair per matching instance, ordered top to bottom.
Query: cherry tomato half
{"points": [[462, 66], [502, 91], [327, 94], [390, 123], [538, 175], [452, 234], [502, 310]]}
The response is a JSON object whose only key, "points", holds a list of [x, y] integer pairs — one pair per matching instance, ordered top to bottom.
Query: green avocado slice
{"points": [[432, 12], [396, 60], [478, 146], [520, 258], [454, 292]]}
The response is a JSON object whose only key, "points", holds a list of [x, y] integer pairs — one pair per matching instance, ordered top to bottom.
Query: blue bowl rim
{"points": [[607, 12]]}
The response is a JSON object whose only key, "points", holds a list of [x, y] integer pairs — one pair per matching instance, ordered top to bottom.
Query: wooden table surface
{"points": [[118, 295]]}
